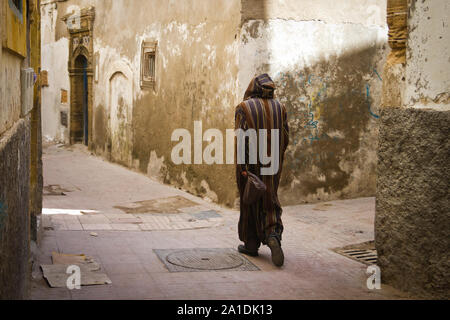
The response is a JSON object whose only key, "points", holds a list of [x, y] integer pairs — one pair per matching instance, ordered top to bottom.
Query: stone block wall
{"points": [[14, 211]]}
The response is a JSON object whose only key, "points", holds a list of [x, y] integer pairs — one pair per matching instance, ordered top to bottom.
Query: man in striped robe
{"points": [[261, 222]]}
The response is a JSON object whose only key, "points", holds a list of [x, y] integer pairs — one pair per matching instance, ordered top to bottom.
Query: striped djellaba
{"points": [[260, 110]]}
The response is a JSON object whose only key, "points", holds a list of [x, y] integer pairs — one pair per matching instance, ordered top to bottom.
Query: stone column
{"points": [[412, 213]]}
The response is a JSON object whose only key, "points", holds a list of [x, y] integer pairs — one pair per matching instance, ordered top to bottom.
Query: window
{"points": [[17, 4], [17, 7], [15, 18], [148, 64]]}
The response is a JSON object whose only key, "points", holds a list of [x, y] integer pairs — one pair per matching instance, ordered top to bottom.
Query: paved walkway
{"points": [[120, 217]]}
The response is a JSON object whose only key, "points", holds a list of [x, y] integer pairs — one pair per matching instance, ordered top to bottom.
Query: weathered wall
{"points": [[55, 55], [428, 55], [326, 61], [196, 71], [10, 108], [20, 149], [14, 170], [36, 177], [14, 210], [412, 217], [413, 220]]}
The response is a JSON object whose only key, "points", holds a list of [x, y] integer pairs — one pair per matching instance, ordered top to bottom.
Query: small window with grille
{"points": [[148, 64]]}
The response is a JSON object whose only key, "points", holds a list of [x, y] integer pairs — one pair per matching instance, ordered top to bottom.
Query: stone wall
{"points": [[14, 211], [412, 217], [413, 220]]}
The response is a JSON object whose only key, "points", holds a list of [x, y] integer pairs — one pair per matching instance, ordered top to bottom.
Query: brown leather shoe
{"points": [[242, 249], [277, 253]]}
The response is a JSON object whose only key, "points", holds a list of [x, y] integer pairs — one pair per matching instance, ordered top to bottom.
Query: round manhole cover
{"points": [[205, 259]]}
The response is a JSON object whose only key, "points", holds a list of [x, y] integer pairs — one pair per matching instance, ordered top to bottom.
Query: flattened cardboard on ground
{"points": [[75, 259], [57, 277]]}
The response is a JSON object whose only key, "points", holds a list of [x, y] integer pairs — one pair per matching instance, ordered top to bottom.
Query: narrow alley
{"points": [[217, 150], [85, 220]]}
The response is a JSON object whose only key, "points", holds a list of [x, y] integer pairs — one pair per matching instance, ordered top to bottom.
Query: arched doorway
{"points": [[81, 66], [79, 120]]}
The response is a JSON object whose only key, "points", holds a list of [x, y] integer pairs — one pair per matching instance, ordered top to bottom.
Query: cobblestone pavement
{"points": [[86, 220]]}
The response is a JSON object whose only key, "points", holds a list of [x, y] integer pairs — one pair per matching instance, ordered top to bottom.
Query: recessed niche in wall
{"points": [[148, 63], [44, 78], [64, 121]]}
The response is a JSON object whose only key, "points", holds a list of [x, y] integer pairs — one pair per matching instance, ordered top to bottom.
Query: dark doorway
{"points": [[80, 114]]}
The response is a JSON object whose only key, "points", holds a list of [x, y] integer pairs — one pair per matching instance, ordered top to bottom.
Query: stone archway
{"points": [[81, 73]]}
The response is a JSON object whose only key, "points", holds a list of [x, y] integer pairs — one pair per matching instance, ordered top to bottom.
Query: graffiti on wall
{"points": [[309, 113]]}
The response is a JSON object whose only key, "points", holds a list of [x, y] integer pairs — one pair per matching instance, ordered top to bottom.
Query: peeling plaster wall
{"points": [[365, 12], [55, 55], [54, 60], [325, 60], [197, 63], [327, 63], [196, 71], [427, 71], [197, 79]]}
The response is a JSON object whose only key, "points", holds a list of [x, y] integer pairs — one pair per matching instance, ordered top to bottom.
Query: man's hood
{"points": [[260, 87]]}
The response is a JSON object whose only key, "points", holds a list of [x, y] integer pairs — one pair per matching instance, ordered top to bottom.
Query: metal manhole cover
{"points": [[205, 259], [198, 260]]}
